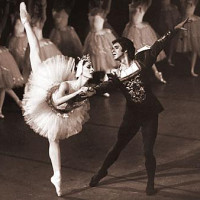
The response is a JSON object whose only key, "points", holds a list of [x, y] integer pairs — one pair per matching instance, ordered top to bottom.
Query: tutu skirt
{"points": [[169, 17], [141, 36], [189, 41], [67, 42], [98, 46], [17, 47], [47, 50], [10, 75], [38, 114]]}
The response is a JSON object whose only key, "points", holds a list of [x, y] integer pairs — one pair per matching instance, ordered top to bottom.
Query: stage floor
{"points": [[25, 168]]}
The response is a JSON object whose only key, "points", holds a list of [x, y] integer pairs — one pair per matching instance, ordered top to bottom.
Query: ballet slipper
{"points": [[170, 63], [194, 74], [160, 77], [106, 94], [1, 116], [56, 181]]}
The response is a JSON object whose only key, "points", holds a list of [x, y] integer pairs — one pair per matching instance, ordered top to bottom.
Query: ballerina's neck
{"points": [[137, 19], [81, 81]]}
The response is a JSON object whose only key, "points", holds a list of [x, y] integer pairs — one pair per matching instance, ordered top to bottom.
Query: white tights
{"points": [[54, 154]]}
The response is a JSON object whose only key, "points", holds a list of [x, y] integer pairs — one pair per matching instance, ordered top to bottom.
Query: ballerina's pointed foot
{"points": [[23, 13], [170, 63], [194, 74], [160, 77], [1, 116], [56, 181]]}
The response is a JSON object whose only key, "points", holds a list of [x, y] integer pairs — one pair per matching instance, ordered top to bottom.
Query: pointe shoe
{"points": [[24, 16], [170, 63], [194, 74], [160, 77], [106, 94], [1, 116], [56, 181]]}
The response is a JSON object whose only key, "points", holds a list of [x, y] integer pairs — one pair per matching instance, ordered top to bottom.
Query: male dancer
{"points": [[142, 107]]}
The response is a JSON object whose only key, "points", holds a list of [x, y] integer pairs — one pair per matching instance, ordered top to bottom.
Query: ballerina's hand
{"points": [[24, 16], [181, 25], [83, 89], [87, 92]]}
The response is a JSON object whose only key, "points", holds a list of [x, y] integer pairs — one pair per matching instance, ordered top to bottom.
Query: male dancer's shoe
{"points": [[97, 177], [150, 190]]}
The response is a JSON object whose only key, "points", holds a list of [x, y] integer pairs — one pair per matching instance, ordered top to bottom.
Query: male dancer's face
{"points": [[117, 51]]}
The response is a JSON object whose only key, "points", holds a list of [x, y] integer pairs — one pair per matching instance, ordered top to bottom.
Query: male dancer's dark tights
{"points": [[128, 129]]}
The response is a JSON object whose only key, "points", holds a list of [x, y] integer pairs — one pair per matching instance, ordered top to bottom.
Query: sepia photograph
{"points": [[99, 99]]}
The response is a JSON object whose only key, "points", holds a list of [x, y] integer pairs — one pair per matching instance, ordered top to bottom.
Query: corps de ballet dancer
{"points": [[105, 5], [169, 16], [141, 33], [63, 35], [189, 41], [17, 42], [98, 45], [10, 75], [54, 112]]}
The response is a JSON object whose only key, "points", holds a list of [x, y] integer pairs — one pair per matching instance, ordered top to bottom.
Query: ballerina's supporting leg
{"points": [[193, 62], [2, 96], [14, 96], [54, 154]]}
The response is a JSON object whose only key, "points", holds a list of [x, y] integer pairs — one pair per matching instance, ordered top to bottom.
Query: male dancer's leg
{"points": [[127, 131], [149, 133]]}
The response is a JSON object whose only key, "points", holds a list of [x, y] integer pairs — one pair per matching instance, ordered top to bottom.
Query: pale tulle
{"points": [[169, 17], [141, 36], [189, 41], [67, 42], [98, 45], [17, 47], [47, 50], [10, 75], [37, 112]]}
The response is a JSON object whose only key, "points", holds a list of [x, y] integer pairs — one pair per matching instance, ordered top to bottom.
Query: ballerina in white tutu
{"points": [[50, 105]]}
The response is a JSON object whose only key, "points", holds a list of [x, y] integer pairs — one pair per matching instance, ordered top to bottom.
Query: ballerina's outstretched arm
{"points": [[32, 39]]}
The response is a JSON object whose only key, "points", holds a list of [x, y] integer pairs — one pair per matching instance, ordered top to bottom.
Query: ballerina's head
{"points": [[139, 6], [84, 67]]}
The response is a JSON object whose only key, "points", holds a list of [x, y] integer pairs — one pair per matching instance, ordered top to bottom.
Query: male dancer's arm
{"points": [[148, 57]]}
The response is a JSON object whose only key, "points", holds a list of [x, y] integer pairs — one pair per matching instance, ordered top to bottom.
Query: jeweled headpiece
{"points": [[85, 58]]}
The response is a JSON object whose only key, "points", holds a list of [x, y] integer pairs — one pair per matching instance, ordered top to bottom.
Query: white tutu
{"points": [[38, 114]]}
